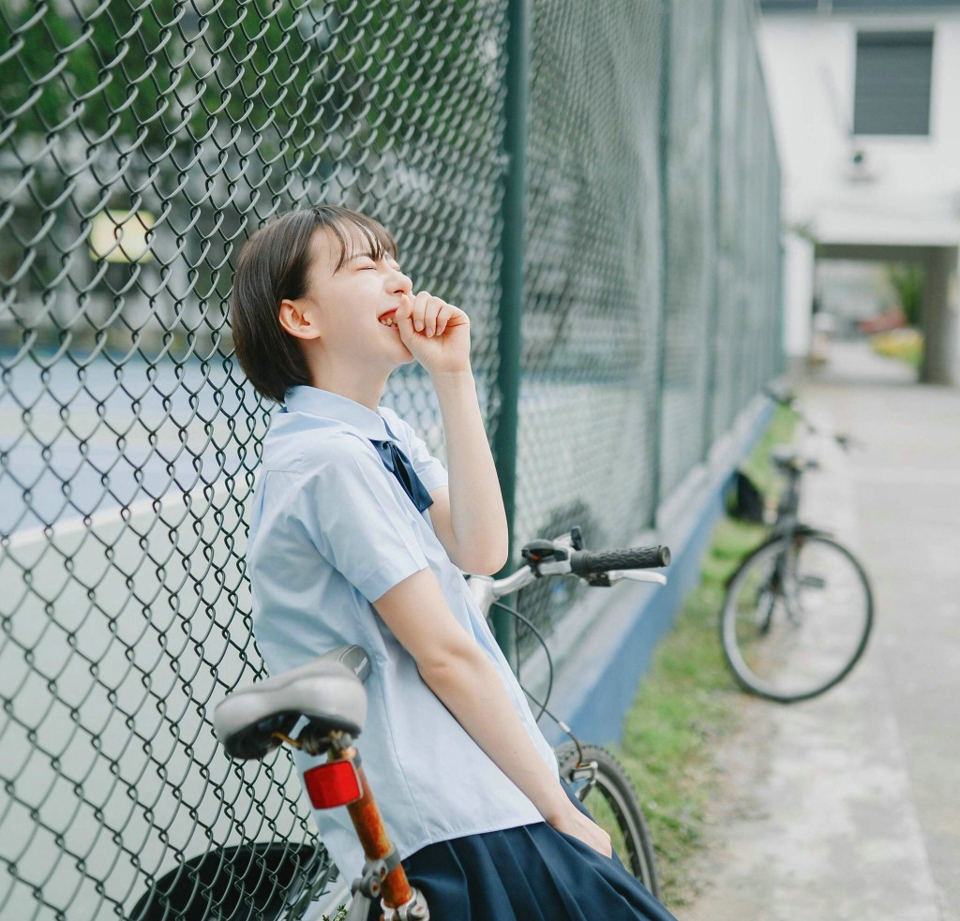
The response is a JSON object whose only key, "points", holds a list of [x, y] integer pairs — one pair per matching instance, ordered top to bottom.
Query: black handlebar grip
{"points": [[584, 562]]}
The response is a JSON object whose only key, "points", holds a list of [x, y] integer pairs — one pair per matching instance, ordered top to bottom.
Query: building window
{"points": [[893, 83]]}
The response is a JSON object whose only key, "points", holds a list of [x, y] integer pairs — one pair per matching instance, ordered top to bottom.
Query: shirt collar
{"points": [[316, 402]]}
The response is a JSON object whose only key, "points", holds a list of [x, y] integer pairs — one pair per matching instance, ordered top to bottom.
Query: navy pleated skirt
{"points": [[528, 873]]}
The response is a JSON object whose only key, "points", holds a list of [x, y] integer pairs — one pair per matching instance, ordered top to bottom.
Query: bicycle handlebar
{"points": [[789, 401], [583, 562]]}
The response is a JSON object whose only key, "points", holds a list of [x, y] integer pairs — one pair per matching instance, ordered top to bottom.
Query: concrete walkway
{"points": [[848, 806]]}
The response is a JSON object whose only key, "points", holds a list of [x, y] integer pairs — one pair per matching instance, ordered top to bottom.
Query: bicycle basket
{"points": [[744, 500], [262, 881]]}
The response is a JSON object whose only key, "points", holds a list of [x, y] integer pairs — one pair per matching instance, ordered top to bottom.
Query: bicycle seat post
{"points": [[383, 876]]}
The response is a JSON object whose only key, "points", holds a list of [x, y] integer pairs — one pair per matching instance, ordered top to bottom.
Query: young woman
{"points": [[359, 535]]}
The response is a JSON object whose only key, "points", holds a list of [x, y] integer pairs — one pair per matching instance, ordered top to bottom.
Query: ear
{"points": [[298, 319]]}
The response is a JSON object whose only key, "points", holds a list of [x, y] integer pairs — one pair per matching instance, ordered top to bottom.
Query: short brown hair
{"points": [[274, 265]]}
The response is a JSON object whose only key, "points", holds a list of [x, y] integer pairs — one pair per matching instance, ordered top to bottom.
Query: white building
{"points": [[866, 102]]}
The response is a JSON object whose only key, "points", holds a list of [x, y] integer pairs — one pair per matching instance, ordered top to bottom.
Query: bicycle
{"points": [[798, 611], [327, 695], [594, 774]]}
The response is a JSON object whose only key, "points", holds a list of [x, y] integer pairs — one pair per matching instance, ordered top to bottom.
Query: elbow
{"points": [[485, 554], [485, 562], [496, 562], [448, 665]]}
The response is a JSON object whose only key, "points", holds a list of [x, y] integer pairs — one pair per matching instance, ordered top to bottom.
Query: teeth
{"points": [[388, 321]]}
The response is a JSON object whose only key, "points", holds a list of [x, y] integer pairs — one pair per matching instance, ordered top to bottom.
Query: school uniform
{"points": [[332, 530]]}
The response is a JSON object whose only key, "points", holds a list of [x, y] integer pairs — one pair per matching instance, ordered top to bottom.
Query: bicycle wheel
{"points": [[796, 618], [612, 802]]}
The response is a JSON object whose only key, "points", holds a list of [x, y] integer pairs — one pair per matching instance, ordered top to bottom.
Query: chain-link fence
{"points": [[141, 141]]}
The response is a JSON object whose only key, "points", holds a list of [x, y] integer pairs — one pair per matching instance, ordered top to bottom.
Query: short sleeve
{"points": [[432, 473], [355, 520]]}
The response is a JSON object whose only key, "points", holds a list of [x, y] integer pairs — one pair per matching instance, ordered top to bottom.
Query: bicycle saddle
{"points": [[787, 458], [328, 691]]}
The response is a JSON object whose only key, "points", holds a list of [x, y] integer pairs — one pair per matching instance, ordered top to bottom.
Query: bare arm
{"points": [[468, 515], [470, 520], [471, 524], [463, 678]]}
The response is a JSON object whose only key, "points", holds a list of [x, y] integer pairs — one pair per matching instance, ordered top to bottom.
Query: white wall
{"points": [[908, 192], [798, 294]]}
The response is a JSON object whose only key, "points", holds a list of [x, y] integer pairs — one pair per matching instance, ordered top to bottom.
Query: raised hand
{"points": [[436, 333]]}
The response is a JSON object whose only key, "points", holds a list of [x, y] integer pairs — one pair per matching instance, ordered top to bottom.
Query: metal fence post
{"points": [[664, 150], [511, 282], [710, 382]]}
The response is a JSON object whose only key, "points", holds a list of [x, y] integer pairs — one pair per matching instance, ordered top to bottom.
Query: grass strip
{"points": [[687, 701]]}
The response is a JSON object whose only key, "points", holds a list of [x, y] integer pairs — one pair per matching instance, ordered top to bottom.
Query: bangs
{"points": [[358, 235]]}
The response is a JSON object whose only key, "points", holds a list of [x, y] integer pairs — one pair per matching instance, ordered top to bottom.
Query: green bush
{"points": [[907, 280]]}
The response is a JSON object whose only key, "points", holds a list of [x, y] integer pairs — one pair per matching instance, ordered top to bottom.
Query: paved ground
{"points": [[848, 806]]}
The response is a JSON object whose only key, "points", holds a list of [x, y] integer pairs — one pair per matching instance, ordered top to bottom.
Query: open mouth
{"points": [[389, 319]]}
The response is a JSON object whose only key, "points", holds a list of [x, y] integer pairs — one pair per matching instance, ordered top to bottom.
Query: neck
{"points": [[362, 385]]}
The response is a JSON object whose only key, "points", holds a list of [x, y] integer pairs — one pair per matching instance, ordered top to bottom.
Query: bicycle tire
{"points": [[771, 655], [613, 803]]}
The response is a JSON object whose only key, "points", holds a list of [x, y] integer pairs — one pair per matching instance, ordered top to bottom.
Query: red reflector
{"points": [[335, 783]]}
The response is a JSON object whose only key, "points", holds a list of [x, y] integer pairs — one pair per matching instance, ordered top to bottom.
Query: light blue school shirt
{"points": [[331, 531]]}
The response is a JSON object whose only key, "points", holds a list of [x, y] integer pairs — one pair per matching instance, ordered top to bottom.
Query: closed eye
{"points": [[370, 263]]}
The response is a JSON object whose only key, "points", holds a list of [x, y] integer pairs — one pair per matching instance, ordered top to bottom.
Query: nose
{"points": [[398, 283]]}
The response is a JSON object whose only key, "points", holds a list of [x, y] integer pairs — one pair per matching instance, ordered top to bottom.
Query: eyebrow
{"points": [[385, 255]]}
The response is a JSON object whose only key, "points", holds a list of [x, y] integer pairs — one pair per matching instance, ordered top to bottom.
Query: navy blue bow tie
{"points": [[399, 465]]}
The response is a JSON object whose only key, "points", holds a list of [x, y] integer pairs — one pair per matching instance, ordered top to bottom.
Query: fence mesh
{"points": [[141, 142], [691, 239], [589, 389]]}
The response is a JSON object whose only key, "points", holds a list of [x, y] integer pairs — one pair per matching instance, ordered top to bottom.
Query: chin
{"points": [[401, 362]]}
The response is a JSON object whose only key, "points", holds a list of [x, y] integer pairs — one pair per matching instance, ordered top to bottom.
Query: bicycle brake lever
{"points": [[637, 575]]}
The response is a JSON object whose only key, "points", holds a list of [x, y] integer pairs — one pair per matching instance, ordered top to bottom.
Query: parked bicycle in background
{"points": [[799, 609]]}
